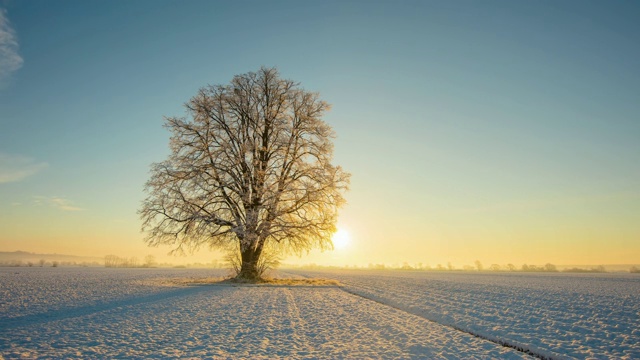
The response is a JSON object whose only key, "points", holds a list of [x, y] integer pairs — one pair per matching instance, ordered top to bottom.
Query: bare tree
{"points": [[249, 165], [111, 261], [149, 261], [132, 262], [478, 265], [494, 267], [550, 268]]}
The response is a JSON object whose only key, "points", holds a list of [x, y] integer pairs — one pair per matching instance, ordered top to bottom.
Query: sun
{"points": [[341, 239]]}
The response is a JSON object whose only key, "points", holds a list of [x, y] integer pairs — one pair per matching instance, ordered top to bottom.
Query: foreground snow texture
{"points": [[143, 313], [553, 316]]}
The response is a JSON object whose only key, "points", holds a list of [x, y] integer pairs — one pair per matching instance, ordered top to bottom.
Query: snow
{"points": [[37, 291], [136, 313], [162, 313], [551, 315]]}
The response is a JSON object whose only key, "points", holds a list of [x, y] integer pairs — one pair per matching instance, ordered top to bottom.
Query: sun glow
{"points": [[341, 239]]}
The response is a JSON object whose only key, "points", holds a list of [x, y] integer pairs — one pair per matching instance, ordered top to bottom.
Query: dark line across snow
{"points": [[521, 348]]}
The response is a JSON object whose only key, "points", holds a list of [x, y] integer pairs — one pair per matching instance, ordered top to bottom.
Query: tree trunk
{"points": [[249, 268]]}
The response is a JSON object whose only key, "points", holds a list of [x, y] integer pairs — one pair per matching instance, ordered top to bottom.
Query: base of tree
{"points": [[249, 268], [250, 274], [244, 280], [282, 282]]}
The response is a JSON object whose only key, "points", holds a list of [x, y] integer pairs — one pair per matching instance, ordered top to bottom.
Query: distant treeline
{"points": [[114, 261], [45, 263], [477, 267], [597, 269]]}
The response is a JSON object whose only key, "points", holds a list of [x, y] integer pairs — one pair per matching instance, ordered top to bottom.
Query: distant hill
{"points": [[25, 256]]}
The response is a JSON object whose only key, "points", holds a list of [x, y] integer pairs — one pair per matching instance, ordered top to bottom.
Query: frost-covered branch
{"points": [[249, 165]]}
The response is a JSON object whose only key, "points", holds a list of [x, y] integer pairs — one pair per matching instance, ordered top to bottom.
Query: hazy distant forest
{"points": [[25, 259]]}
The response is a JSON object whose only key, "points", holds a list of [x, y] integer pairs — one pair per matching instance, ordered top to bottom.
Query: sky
{"points": [[498, 131]]}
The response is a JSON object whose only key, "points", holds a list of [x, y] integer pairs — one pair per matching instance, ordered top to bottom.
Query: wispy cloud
{"points": [[10, 59], [17, 167], [57, 202], [64, 204]]}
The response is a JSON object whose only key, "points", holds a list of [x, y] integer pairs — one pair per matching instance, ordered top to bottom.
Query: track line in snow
{"points": [[298, 324], [520, 348]]}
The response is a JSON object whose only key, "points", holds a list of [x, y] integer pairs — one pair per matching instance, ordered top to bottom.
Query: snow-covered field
{"points": [[143, 313], [552, 315]]}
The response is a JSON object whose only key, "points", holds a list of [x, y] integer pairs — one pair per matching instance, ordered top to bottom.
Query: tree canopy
{"points": [[249, 169]]}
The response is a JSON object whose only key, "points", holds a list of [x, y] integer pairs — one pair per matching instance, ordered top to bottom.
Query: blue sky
{"points": [[500, 130]]}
